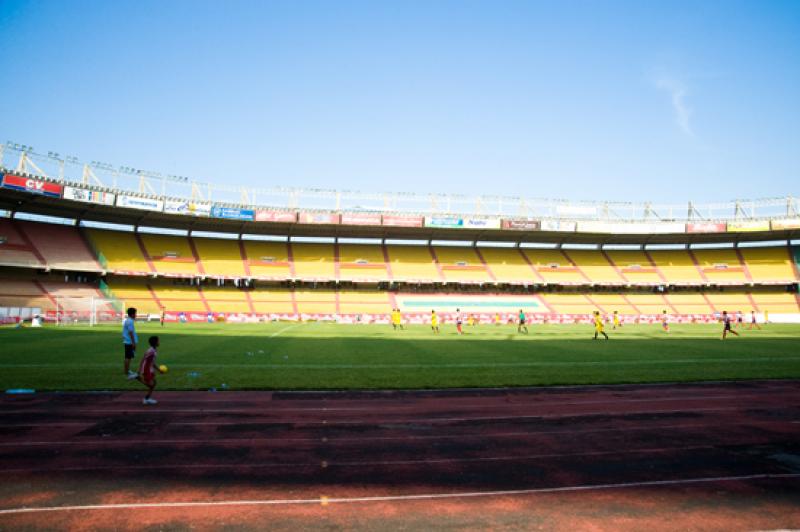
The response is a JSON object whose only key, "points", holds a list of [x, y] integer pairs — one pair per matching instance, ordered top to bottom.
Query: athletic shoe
{"points": [[132, 375], [149, 402]]}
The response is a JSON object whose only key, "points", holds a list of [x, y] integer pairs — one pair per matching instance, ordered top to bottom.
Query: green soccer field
{"points": [[330, 356]]}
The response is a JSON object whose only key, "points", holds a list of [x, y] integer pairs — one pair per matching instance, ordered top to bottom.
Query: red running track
{"points": [[713, 456]]}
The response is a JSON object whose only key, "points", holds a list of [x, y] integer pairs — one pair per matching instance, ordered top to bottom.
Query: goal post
{"points": [[91, 311]]}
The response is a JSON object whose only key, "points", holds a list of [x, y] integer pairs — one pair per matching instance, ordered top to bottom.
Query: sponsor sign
{"points": [[33, 186], [89, 196], [144, 204], [187, 207], [232, 213], [276, 216], [325, 218], [350, 218], [402, 221], [443, 221], [481, 223], [786, 223], [522, 225], [558, 225], [748, 226], [706, 227], [631, 228]]}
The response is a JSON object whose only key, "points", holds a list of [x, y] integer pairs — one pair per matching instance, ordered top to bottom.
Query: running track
{"points": [[715, 456]]}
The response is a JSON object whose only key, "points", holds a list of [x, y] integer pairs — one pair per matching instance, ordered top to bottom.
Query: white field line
{"points": [[273, 335], [466, 365], [396, 498]]}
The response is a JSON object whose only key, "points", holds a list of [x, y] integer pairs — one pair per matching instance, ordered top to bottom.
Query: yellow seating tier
{"points": [[170, 254], [220, 257], [268, 260], [314, 261], [362, 262], [412, 263], [461, 264], [769, 264], [508, 265], [720, 265], [553, 266], [595, 266], [635, 266], [677, 266]]}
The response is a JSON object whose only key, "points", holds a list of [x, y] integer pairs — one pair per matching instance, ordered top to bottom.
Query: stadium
{"points": [[255, 293]]}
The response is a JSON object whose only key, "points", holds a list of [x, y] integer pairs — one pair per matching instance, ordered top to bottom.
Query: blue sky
{"points": [[629, 101]]}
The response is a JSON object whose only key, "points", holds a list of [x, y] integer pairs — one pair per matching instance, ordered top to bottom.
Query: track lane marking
{"points": [[398, 498]]}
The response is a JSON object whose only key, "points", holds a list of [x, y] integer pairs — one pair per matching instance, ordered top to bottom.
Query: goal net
{"points": [[88, 310]]}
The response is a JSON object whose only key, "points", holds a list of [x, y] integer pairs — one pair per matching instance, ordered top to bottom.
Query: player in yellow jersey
{"points": [[497, 318], [397, 319], [434, 322], [617, 323], [598, 325]]}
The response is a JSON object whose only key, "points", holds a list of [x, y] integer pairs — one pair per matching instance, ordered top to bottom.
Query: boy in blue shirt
{"points": [[129, 341]]}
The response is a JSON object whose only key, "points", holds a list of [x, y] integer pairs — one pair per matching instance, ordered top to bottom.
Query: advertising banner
{"points": [[33, 186], [89, 196], [143, 204], [187, 207], [232, 213], [276, 216], [324, 218], [364, 218], [402, 221], [444, 221], [481, 223], [786, 223], [522, 225], [558, 225], [748, 226], [706, 227], [631, 228]]}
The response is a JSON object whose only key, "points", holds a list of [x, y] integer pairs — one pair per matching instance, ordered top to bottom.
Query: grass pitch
{"points": [[329, 356]]}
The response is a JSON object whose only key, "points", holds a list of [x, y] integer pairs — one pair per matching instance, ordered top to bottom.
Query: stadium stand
{"points": [[16, 249], [119, 251], [171, 255], [220, 258], [267, 260], [314, 262], [361, 262], [413, 263], [461, 265], [509, 265], [769, 265], [554, 266], [676, 266], [635, 267]]}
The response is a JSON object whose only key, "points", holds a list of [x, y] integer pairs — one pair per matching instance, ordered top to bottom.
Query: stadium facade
{"points": [[310, 254]]}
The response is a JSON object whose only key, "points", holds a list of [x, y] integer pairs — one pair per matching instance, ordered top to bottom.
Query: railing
{"points": [[126, 179]]}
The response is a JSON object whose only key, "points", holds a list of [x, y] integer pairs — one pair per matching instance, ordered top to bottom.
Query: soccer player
{"points": [[163, 314], [766, 316], [393, 318], [497, 318], [399, 319], [459, 319], [739, 319], [616, 320], [665, 321], [434, 322], [753, 322], [521, 325], [598, 325], [726, 327], [129, 341], [147, 370]]}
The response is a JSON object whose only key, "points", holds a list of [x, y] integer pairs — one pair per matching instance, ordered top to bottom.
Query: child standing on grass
{"points": [[129, 341], [147, 370]]}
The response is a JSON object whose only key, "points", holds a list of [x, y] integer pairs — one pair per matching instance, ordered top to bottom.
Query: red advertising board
{"points": [[34, 186], [276, 216], [325, 218], [350, 218], [403, 221], [522, 225], [706, 227]]}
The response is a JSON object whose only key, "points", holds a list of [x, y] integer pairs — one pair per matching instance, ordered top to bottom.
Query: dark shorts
{"points": [[727, 327], [129, 352]]}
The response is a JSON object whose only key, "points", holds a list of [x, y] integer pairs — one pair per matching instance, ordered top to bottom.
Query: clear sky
{"points": [[665, 101]]}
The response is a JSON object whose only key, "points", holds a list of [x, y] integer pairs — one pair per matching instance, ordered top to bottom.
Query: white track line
{"points": [[273, 335], [396, 498]]}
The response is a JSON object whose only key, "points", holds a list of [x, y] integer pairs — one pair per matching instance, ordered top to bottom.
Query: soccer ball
{"points": [[162, 368]]}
